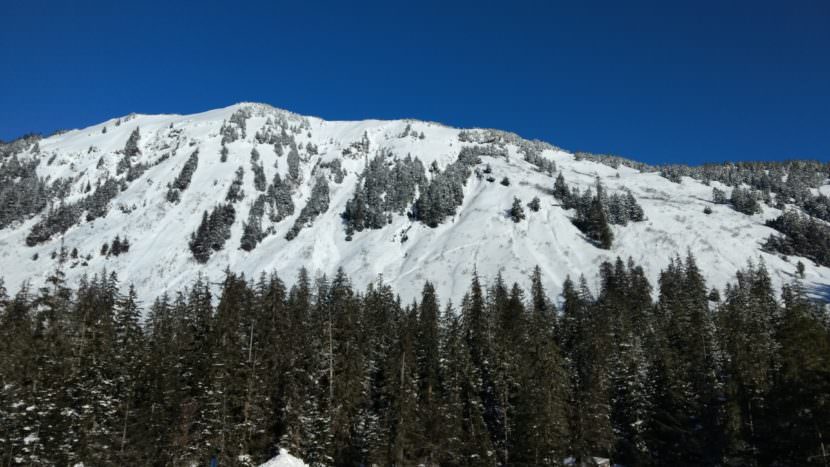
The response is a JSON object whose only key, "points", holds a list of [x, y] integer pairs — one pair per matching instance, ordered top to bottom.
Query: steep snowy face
{"points": [[161, 199]]}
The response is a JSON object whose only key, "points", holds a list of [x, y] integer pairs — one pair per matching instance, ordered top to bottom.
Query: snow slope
{"points": [[480, 236], [284, 460]]}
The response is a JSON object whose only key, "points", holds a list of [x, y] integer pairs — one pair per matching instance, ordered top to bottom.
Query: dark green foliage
{"points": [[235, 127], [28, 141], [131, 147], [130, 150], [533, 155], [293, 159], [123, 165], [336, 168], [134, 171], [259, 175], [182, 181], [505, 181], [790, 181], [386, 186], [561, 190], [235, 191], [22, 192], [444, 193], [174, 196], [719, 196], [22, 197], [279, 201], [745, 201], [97, 204], [317, 204], [534, 204], [818, 206], [630, 207], [619, 208], [516, 211], [594, 213], [58, 220], [593, 222], [212, 232], [252, 232], [802, 236], [117, 247], [746, 329], [586, 342], [683, 368], [342, 377], [799, 416]]}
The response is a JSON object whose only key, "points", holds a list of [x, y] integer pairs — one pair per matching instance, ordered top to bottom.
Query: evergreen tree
{"points": [[131, 147], [293, 165], [182, 181], [561, 190], [235, 191], [280, 204], [317, 204], [534, 204], [517, 213], [747, 335], [585, 337], [129, 348], [427, 353], [341, 377], [798, 412], [540, 414], [467, 441]]}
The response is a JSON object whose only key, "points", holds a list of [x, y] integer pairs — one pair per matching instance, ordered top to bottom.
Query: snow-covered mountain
{"points": [[156, 205]]}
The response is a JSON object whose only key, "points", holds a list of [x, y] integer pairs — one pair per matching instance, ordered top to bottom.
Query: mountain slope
{"points": [[406, 252]]}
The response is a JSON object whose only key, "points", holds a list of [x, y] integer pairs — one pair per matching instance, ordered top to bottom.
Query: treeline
{"points": [[790, 179], [792, 182], [344, 377]]}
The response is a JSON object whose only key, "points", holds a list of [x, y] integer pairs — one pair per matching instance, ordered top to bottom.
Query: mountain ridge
{"points": [[480, 235]]}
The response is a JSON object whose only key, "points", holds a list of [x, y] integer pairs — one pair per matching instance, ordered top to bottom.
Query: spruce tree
{"points": [[516, 212], [429, 386], [798, 412]]}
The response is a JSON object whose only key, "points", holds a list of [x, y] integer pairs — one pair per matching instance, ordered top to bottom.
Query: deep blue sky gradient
{"points": [[655, 81]]}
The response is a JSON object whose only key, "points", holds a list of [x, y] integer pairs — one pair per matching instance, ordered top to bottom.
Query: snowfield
{"points": [[480, 237]]}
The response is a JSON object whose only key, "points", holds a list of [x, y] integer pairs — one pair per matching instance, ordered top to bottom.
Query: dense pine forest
{"points": [[508, 376]]}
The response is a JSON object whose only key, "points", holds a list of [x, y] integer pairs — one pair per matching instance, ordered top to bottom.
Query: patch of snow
{"points": [[284, 460]]}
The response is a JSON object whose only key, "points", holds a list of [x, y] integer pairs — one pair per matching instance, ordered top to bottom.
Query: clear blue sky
{"points": [[660, 81]]}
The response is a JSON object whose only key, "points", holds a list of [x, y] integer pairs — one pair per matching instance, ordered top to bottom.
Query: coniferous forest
{"points": [[338, 376]]}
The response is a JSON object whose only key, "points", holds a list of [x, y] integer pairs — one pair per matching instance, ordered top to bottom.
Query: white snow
{"points": [[480, 236], [284, 460]]}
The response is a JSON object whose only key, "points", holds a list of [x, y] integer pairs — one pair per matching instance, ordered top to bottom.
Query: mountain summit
{"points": [[164, 198]]}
